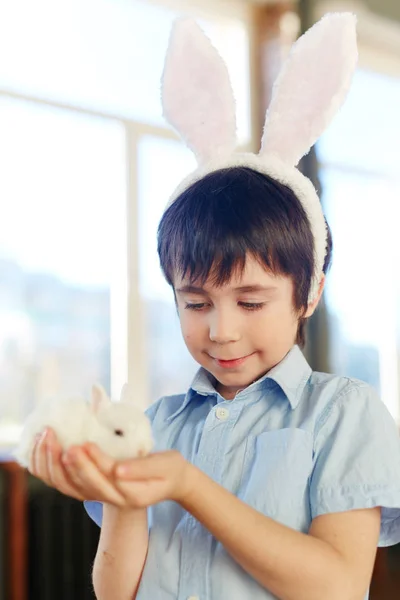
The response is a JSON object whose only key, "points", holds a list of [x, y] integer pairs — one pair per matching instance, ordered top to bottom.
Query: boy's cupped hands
{"points": [[86, 473]]}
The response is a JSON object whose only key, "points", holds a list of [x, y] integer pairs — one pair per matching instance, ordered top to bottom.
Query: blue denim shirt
{"points": [[294, 445]]}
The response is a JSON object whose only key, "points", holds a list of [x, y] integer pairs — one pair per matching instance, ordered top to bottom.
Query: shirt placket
{"points": [[197, 544]]}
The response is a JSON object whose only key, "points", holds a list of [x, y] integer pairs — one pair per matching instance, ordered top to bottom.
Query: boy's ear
{"points": [[313, 305]]}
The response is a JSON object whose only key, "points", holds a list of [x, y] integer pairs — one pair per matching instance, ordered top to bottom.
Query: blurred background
{"points": [[87, 164]]}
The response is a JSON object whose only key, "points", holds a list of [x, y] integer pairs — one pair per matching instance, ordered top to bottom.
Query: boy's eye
{"points": [[245, 305], [252, 305], [197, 306]]}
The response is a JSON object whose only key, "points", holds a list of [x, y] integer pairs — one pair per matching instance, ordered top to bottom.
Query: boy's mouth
{"points": [[232, 362]]}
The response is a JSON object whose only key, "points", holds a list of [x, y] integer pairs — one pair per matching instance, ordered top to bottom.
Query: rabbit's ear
{"points": [[311, 87], [197, 95], [125, 395], [99, 397]]}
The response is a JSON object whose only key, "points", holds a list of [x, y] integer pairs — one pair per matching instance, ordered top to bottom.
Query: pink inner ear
{"points": [[311, 87], [197, 96], [125, 393], [98, 398]]}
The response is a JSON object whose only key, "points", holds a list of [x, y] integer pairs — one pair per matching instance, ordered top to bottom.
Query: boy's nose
{"points": [[223, 329]]}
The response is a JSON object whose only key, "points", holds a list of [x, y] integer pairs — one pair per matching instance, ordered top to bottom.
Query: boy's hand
{"points": [[86, 473], [154, 478], [92, 481], [143, 481]]}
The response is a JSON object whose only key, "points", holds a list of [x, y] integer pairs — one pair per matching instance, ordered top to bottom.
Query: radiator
{"points": [[62, 543]]}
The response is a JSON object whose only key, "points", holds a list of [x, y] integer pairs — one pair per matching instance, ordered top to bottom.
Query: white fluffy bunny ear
{"points": [[311, 87], [197, 95], [125, 393], [99, 397]]}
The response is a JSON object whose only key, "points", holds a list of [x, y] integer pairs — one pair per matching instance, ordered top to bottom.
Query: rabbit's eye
{"points": [[119, 432]]}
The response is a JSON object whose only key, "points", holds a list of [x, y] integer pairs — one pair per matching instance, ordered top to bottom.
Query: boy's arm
{"points": [[123, 543], [121, 553], [334, 561]]}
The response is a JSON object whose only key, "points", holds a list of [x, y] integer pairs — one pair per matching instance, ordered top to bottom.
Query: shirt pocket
{"points": [[278, 465]]}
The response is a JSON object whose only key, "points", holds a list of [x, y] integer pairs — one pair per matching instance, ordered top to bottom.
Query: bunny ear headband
{"points": [[198, 102]]}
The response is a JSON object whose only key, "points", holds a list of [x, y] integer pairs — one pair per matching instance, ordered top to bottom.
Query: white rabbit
{"points": [[120, 429]]}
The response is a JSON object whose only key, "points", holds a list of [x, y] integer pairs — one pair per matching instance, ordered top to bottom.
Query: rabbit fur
{"points": [[119, 429]]}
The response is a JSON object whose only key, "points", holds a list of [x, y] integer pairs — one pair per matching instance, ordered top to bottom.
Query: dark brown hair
{"points": [[214, 224]]}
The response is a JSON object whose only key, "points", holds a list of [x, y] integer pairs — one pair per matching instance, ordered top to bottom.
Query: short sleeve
{"points": [[357, 460], [95, 509]]}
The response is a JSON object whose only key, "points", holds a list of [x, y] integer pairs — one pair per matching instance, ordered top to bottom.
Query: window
{"points": [[107, 55], [82, 135], [162, 165], [360, 181], [62, 198]]}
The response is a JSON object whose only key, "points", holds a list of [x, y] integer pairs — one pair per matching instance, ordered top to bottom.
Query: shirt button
{"points": [[222, 413], [193, 598]]}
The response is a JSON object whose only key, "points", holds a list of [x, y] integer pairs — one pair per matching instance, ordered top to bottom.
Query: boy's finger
{"points": [[39, 459], [103, 462], [31, 464], [152, 466], [57, 473], [85, 475], [141, 493]]}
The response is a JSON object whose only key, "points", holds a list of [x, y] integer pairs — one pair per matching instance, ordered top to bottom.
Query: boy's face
{"points": [[241, 330]]}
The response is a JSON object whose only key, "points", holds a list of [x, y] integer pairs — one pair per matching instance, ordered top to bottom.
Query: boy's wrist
{"points": [[186, 481], [188, 485], [125, 512]]}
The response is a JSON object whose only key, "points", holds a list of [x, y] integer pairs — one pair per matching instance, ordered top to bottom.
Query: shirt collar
{"points": [[291, 375], [203, 384]]}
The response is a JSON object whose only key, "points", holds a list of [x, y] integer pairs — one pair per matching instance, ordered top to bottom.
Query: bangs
{"points": [[210, 229], [211, 252]]}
